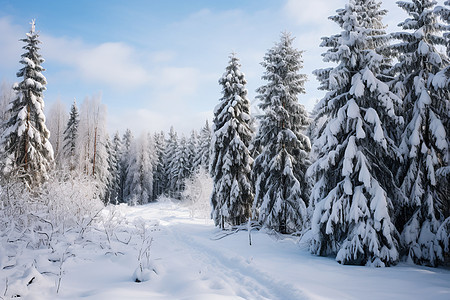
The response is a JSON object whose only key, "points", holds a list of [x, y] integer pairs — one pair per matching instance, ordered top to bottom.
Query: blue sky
{"points": [[157, 63]]}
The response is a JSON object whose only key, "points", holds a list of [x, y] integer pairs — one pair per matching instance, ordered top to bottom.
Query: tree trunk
{"points": [[95, 151], [25, 159]]}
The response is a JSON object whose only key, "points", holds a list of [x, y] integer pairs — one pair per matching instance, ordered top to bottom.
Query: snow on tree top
{"points": [[33, 25]]}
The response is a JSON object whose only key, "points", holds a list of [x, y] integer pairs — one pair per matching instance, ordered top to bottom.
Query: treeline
{"points": [[127, 169]]}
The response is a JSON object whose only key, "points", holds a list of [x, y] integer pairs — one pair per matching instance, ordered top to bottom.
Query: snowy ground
{"points": [[189, 263]]}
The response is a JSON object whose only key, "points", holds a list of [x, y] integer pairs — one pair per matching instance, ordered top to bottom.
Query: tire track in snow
{"points": [[252, 281]]}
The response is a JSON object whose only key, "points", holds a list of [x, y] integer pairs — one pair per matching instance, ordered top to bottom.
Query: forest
{"points": [[363, 178]]}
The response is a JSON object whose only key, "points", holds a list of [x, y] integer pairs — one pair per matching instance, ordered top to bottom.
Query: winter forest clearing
{"points": [[348, 201], [189, 259]]}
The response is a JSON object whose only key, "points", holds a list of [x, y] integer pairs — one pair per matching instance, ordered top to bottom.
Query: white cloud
{"points": [[311, 12], [10, 46], [162, 56], [114, 64], [177, 79], [179, 90], [140, 120]]}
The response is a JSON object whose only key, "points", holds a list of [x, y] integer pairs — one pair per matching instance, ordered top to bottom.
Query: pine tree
{"points": [[441, 83], [314, 131], [70, 138], [127, 140], [204, 144], [424, 144], [192, 145], [26, 147], [171, 156], [153, 160], [230, 161], [100, 165], [180, 168], [159, 174], [139, 181], [113, 184], [354, 187], [281, 188]]}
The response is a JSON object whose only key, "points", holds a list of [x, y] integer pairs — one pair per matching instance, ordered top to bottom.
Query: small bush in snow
{"points": [[196, 193], [45, 222], [145, 269]]}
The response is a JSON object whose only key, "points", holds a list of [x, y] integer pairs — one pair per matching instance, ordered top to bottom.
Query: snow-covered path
{"points": [[190, 264]]}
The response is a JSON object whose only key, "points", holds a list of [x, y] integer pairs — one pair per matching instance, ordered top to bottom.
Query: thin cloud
{"points": [[310, 13], [10, 46], [114, 64]]}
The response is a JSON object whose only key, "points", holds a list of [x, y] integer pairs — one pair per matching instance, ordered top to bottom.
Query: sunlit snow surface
{"points": [[191, 263]]}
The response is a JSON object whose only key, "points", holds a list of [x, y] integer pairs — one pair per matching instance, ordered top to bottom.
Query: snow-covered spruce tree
{"points": [[441, 82], [314, 131], [70, 139], [127, 140], [424, 142], [204, 144], [192, 145], [28, 152], [171, 155], [153, 159], [230, 160], [100, 165], [180, 167], [159, 173], [139, 182], [113, 183], [354, 187], [281, 188]]}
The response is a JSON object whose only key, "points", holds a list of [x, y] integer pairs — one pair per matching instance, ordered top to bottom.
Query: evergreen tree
{"points": [[441, 83], [314, 131], [70, 138], [127, 140], [424, 142], [25, 143], [192, 144], [204, 144], [171, 156], [153, 159], [230, 161], [100, 165], [180, 168], [159, 175], [139, 183], [113, 184], [354, 187], [281, 188]]}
